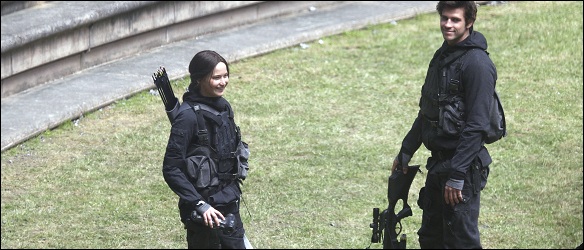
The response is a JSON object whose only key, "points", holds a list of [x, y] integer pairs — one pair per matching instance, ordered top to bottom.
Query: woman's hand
{"points": [[212, 217]]}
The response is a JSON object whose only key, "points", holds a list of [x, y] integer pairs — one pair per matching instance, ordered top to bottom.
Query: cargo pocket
{"points": [[451, 118], [242, 157], [484, 160], [202, 171]]}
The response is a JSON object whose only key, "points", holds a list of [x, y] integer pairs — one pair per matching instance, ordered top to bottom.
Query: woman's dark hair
{"points": [[470, 8], [202, 66]]}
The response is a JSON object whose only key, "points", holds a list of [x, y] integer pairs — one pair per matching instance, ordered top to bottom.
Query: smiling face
{"points": [[454, 26], [215, 84]]}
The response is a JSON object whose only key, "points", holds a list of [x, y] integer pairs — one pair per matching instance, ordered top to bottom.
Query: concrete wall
{"points": [[49, 40]]}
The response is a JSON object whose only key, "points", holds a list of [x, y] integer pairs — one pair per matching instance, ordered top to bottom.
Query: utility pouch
{"points": [[451, 117], [242, 155], [201, 169], [475, 169]]}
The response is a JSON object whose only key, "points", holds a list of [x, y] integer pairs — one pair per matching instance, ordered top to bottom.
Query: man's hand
{"points": [[402, 159], [395, 164], [452, 196]]}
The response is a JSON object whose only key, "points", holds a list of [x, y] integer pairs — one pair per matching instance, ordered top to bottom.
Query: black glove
{"points": [[403, 159], [202, 207]]}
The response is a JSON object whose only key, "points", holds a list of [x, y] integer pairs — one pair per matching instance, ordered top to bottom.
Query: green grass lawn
{"points": [[323, 125]]}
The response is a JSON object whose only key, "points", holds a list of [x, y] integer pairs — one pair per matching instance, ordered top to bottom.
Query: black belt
{"points": [[443, 155]]}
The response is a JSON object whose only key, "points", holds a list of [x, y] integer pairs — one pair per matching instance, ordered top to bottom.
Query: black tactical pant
{"points": [[445, 226], [200, 236]]}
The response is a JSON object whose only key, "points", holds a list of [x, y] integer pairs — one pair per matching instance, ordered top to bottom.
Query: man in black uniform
{"points": [[451, 123]]}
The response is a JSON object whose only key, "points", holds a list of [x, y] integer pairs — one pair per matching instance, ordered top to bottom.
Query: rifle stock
{"points": [[387, 222]]}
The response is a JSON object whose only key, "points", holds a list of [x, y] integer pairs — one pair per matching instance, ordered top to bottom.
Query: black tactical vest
{"points": [[441, 85], [218, 132]]}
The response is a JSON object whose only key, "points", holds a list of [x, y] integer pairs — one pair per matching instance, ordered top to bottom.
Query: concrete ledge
{"points": [[14, 6], [51, 18], [55, 30], [36, 51], [31, 112]]}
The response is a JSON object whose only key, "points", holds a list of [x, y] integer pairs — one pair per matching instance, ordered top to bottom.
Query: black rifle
{"points": [[171, 103], [398, 187]]}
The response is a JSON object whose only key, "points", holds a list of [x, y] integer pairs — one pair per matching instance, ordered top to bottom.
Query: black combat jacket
{"points": [[478, 77], [182, 139]]}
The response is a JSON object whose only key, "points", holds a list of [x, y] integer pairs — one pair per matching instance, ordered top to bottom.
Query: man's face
{"points": [[453, 25]]}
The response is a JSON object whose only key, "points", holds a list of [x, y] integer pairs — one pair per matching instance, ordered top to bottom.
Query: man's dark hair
{"points": [[470, 8]]}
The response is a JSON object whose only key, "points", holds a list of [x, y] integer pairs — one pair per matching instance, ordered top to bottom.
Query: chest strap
{"points": [[202, 111]]}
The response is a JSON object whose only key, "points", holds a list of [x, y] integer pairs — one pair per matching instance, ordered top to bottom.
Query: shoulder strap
{"points": [[453, 56], [454, 85], [202, 111], [205, 112], [208, 112]]}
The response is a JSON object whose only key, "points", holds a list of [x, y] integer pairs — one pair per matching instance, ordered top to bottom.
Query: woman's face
{"points": [[214, 86]]}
